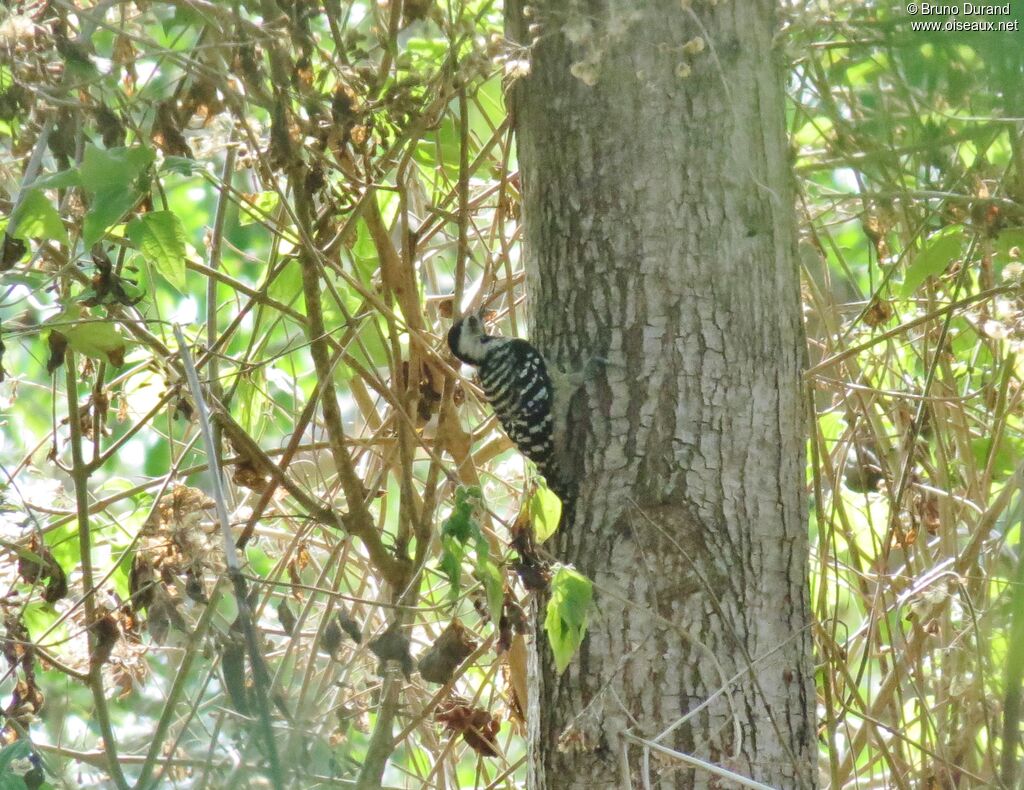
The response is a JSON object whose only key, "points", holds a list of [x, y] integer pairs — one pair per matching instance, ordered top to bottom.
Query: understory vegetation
{"points": [[294, 200]]}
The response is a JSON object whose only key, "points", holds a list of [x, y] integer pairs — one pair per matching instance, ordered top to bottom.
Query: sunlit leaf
{"points": [[256, 208], [36, 218], [160, 237], [1008, 249], [94, 337], [251, 399], [546, 509], [460, 524], [450, 563], [566, 617]]}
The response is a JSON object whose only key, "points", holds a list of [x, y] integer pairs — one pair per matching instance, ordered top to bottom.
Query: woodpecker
{"points": [[530, 397]]}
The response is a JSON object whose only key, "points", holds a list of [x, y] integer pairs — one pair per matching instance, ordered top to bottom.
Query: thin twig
{"points": [[80, 476], [261, 678]]}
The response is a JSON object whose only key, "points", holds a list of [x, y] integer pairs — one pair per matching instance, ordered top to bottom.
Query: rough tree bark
{"points": [[660, 235]]}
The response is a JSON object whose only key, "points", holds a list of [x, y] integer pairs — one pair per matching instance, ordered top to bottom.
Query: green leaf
{"points": [[182, 17], [431, 48], [488, 108], [181, 165], [114, 168], [112, 178], [59, 180], [108, 207], [258, 208], [36, 218], [160, 237], [1008, 239], [363, 246], [935, 255], [286, 287], [94, 337], [371, 347], [251, 400], [1003, 462], [546, 510], [460, 524], [456, 532], [452, 552], [23, 554], [259, 560], [494, 585], [566, 618], [19, 750], [11, 775], [10, 781]]}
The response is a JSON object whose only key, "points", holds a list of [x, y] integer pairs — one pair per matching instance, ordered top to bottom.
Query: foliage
{"points": [[312, 191], [912, 195], [546, 508], [460, 533], [566, 619]]}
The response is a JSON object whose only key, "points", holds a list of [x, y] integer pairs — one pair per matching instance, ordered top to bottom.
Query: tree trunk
{"points": [[660, 236]]}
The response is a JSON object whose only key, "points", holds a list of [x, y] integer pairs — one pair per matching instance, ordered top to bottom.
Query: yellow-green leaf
{"points": [[257, 208], [546, 510], [566, 617]]}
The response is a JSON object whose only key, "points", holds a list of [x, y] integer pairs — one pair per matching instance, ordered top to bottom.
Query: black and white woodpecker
{"points": [[529, 396]]}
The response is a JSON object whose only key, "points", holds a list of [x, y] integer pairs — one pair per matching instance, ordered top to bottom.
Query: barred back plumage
{"points": [[517, 384], [518, 387]]}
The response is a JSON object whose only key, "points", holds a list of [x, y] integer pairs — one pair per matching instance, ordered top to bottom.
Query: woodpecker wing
{"points": [[515, 380]]}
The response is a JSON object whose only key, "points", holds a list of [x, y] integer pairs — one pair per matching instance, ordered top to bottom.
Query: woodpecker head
{"points": [[468, 340]]}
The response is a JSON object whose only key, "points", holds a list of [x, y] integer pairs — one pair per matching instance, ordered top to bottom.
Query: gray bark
{"points": [[660, 236]]}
